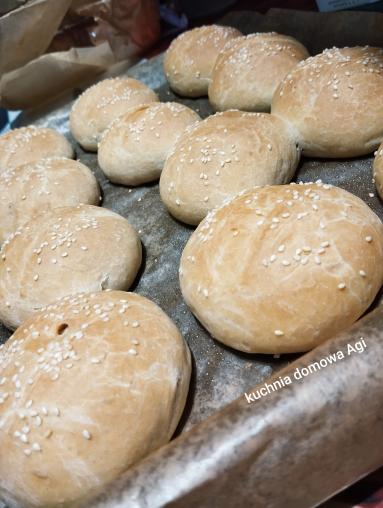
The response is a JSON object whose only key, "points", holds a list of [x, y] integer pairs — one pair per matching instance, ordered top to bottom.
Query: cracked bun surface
{"points": [[190, 58], [249, 69], [334, 102], [102, 103], [30, 144], [133, 150], [223, 155], [39, 186], [62, 252], [281, 269], [89, 386]]}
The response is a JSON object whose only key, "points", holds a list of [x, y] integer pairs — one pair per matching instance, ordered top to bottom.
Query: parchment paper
{"points": [[221, 374]]}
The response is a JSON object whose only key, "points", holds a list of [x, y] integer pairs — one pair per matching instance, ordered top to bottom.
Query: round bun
{"points": [[190, 58], [249, 69], [334, 102], [102, 103], [30, 144], [133, 149], [223, 155], [378, 171], [39, 186], [62, 252], [281, 269], [94, 383]]}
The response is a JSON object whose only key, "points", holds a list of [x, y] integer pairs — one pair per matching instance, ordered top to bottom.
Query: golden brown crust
{"points": [[190, 58], [249, 69], [333, 101], [102, 103], [30, 144], [133, 149], [222, 155], [39, 186], [62, 252], [281, 269], [89, 386]]}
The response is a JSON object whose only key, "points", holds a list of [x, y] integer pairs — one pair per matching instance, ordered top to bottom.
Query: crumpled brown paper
{"points": [[33, 71], [49, 75]]}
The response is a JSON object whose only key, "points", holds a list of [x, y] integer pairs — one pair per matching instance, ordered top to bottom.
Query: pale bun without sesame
{"points": [[190, 58], [249, 69], [334, 102], [102, 103], [30, 144], [133, 149], [223, 155], [378, 171], [39, 186], [62, 252], [281, 269], [109, 375]]}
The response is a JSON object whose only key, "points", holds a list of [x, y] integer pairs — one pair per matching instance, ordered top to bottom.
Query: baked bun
{"points": [[190, 58], [249, 69], [334, 102], [102, 103], [29, 144], [133, 149], [223, 155], [378, 171], [39, 186], [62, 252], [281, 269], [94, 383]]}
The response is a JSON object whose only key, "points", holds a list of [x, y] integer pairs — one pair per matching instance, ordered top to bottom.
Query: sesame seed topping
{"points": [[342, 285], [278, 333], [86, 434]]}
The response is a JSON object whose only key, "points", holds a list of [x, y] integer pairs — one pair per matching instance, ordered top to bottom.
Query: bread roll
{"points": [[190, 58], [249, 69], [334, 102], [102, 103], [30, 144], [133, 149], [222, 155], [378, 171], [39, 186], [62, 252], [281, 269], [89, 386]]}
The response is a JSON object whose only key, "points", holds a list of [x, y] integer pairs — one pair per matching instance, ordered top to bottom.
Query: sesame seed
{"points": [[368, 239], [325, 244], [281, 248], [362, 273], [36, 277], [342, 285], [278, 333], [132, 352], [86, 434]]}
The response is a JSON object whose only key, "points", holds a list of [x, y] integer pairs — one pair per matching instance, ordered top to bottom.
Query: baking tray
{"points": [[294, 447]]}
